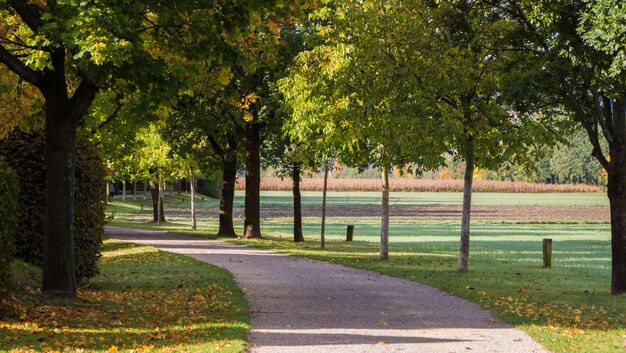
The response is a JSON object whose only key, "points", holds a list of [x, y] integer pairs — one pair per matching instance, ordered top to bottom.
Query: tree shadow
{"points": [[143, 299]]}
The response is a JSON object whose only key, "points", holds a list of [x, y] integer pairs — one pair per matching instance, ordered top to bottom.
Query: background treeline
{"points": [[566, 163]]}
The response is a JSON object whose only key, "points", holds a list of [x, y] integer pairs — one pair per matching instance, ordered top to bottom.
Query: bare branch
{"points": [[30, 14], [20, 44], [18, 67], [82, 99], [599, 113], [109, 119], [592, 131], [216, 147]]}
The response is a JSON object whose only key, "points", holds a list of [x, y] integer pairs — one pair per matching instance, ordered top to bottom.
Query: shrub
{"points": [[24, 152], [89, 208], [9, 209]]}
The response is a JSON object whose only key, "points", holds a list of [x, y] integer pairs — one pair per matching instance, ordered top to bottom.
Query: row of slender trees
{"points": [[372, 82]]}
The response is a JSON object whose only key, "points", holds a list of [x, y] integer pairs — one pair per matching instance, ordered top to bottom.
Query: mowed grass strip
{"points": [[144, 300]]}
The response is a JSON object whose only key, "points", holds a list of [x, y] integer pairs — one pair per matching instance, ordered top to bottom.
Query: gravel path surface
{"points": [[300, 305]]}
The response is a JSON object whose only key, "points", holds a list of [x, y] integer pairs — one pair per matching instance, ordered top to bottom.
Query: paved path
{"points": [[300, 305]]}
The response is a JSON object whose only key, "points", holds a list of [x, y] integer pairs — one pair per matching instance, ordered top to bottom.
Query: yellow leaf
{"points": [[224, 76]]}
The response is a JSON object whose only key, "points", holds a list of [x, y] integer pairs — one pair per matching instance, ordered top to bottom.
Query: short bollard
{"points": [[349, 233], [547, 253]]}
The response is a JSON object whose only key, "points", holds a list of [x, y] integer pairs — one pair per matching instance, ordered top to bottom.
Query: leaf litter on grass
{"points": [[144, 301]]}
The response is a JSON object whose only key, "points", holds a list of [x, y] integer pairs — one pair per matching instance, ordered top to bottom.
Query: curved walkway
{"points": [[300, 305]]}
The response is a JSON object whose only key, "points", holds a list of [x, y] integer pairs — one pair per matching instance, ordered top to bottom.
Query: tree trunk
{"points": [[62, 115], [616, 170], [192, 180], [124, 190], [134, 190], [324, 190], [154, 191], [227, 197], [107, 198], [617, 200], [160, 201], [297, 205], [252, 222], [384, 226], [463, 264], [59, 275]]}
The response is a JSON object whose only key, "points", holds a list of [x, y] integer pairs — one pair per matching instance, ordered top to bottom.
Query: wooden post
{"points": [[192, 179], [349, 232], [547, 253]]}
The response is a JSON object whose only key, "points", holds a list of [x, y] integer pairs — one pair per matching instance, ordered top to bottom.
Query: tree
{"points": [[473, 45], [71, 50], [271, 50], [575, 65], [348, 93], [203, 128], [292, 160], [155, 164]]}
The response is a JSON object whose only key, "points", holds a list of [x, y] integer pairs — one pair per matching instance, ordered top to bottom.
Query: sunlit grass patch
{"points": [[143, 301]]}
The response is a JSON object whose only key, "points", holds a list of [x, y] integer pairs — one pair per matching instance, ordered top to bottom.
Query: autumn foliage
{"points": [[419, 185], [144, 301]]}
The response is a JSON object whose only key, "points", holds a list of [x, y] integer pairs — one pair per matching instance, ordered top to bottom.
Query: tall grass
{"points": [[419, 185]]}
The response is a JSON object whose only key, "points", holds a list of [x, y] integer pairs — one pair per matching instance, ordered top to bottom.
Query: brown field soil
{"points": [[440, 185], [451, 212], [533, 213]]}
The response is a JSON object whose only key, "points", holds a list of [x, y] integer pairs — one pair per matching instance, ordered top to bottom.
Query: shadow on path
{"points": [[300, 305]]}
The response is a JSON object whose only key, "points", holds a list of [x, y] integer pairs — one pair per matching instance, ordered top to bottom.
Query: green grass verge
{"points": [[144, 300], [567, 308]]}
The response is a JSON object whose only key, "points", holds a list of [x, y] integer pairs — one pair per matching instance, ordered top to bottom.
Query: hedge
{"points": [[24, 151], [9, 209]]}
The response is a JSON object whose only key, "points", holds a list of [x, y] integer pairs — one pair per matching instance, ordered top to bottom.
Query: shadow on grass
{"points": [[505, 278], [145, 299]]}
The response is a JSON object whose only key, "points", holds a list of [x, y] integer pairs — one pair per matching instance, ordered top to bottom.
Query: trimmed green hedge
{"points": [[25, 154], [89, 208], [9, 209]]}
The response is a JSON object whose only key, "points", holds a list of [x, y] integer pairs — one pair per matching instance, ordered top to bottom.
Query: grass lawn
{"points": [[144, 300], [567, 308]]}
